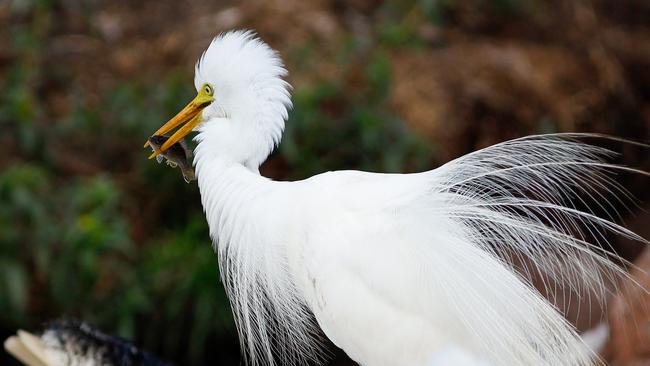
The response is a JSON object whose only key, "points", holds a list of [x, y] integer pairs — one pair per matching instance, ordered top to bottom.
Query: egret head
{"points": [[242, 101]]}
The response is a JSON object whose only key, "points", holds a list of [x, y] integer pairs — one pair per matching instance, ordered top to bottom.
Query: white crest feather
{"points": [[250, 96]]}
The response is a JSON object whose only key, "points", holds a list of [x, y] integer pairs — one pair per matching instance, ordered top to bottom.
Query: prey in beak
{"points": [[190, 115], [178, 155]]}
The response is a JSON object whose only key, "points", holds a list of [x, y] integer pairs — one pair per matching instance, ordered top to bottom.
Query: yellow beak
{"points": [[190, 114]]}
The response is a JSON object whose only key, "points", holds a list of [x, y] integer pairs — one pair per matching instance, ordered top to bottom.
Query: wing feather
{"points": [[494, 222]]}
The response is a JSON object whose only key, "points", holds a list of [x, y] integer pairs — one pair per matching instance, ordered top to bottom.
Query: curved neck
{"points": [[236, 139], [228, 188], [252, 220]]}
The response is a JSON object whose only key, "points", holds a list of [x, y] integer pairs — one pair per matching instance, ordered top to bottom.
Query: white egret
{"points": [[394, 268]]}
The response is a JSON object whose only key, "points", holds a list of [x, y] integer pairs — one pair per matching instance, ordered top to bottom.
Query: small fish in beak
{"points": [[178, 155]]}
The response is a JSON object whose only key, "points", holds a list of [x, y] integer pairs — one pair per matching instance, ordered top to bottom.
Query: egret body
{"points": [[394, 268]]}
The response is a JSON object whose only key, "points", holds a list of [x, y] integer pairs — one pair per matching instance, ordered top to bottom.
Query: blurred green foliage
{"points": [[326, 114], [66, 237]]}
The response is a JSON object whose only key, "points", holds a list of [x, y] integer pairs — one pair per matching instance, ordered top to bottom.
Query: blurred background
{"points": [[91, 229]]}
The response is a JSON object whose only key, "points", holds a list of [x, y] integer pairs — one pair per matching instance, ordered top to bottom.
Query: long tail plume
{"points": [[532, 205]]}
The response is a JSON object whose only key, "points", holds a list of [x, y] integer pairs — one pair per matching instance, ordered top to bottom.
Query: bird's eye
{"points": [[207, 89]]}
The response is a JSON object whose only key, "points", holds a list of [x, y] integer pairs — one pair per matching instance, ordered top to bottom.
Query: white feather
{"points": [[396, 267]]}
